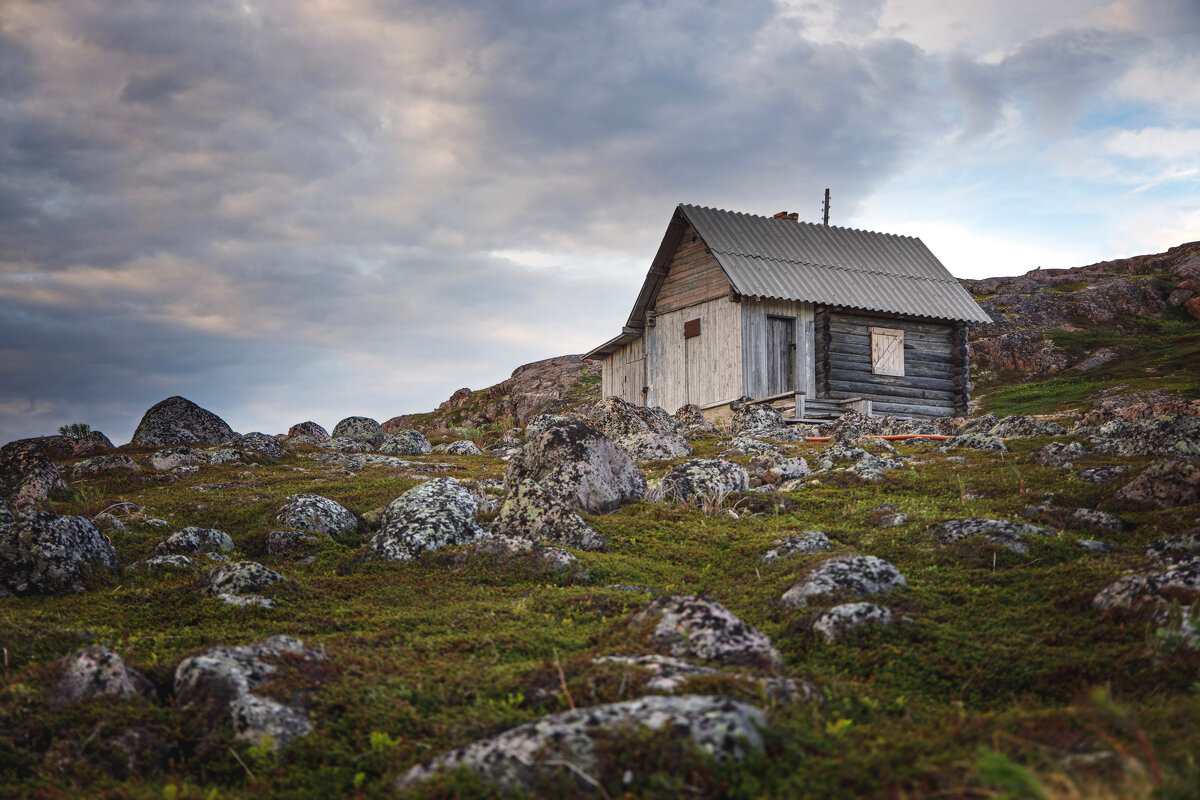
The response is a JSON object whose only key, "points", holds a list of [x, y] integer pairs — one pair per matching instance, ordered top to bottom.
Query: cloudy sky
{"points": [[306, 210]]}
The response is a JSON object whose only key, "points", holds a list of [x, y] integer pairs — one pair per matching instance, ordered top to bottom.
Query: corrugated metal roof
{"points": [[788, 260]]}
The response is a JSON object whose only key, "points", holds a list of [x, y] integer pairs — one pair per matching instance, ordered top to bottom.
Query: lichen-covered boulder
{"points": [[754, 418], [178, 420], [542, 422], [692, 424], [979, 424], [1016, 427], [360, 429], [307, 433], [1168, 435], [975, 441], [406, 442], [261, 443], [343, 444], [654, 446], [749, 446], [463, 447], [59, 448], [1057, 454], [172, 458], [848, 458], [98, 464], [580, 466], [788, 469], [1101, 474], [28, 477], [703, 479], [1166, 483], [312, 512], [530, 512], [435, 514], [7, 517], [1095, 520], [1000, 532], [195, 540], [281, 543], [806, 543], [1179, 547], [42, 553], [554, 558], [156, 563], [860, 576], [240, 583], [1150, 594], [836, 623], [697, 627], [94, 671], [669, 674], [220, 686], [517, 759]]}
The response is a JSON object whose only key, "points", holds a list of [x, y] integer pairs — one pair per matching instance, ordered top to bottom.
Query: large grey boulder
{"points": [[616, 418], [751, 419], [178, 420], [692, 424], [1016, 427], [360, 429], [307, 433], [258, 442], [406, 443], [344, 444], [654, 446], [463, 447], [106, 463], [580, 466], [29, 477], [703, 479], [1166, 483], [312, 512], [530, 512], [436, 514], [1000, 532], [196, 540], [42, 553], [860, 576], [838, 622], [697, 627], [95, 671], [220, 686], [519, 758]]}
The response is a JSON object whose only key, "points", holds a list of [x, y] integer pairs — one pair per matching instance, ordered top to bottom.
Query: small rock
{"points": [[754, 418], [692, 424], [979, 424], [1016, 427], [360, 429], [975, 441], [406, 443], [343, 444], [748, 446], [463, 447], [1057, 454], [849, 458], [97, 464], [787, 470], [1100, 474], [703, 479], [312, 512], [1097, 521], [109, 524], [996, 531], [196, 540], [283, 542], [806, 543], [1095, 546], [1180, 547], [554, 557], [155, 563], [861, 576], [239, 583], [1151, 594], [837, 622], [696, 627], [96, 671], [670, 674], [220, 685], [518, 759]]}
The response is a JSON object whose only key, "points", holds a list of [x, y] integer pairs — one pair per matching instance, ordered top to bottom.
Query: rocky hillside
{"points": [[543, 387]]}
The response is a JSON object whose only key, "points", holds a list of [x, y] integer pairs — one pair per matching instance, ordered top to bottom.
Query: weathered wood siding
{"points": [[693, 276], [755, 355], [702, 369], [623, 373], [928, 387]]}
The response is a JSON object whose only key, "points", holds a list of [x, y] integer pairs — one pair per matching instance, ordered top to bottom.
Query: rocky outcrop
{"points": [[543, 387], [178, 420], [360, 429], [405, 443], [59, 448], [580, 466], [29, 477], [703, 479], [1166, 483], [312, 512], [530, 512], [426, 518], [42, 553], [859, 576], [695, 627], [97, 671], [228, 686], [520, 758]]}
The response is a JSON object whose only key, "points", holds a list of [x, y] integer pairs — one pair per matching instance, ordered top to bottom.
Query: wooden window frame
{"points": [[894, 358]]}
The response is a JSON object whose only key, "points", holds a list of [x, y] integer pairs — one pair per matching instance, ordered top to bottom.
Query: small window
{"points": [[691, 329], [887, 351]]}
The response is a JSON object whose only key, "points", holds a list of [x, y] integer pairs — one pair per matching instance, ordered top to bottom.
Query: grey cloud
{"points": [[153, 89]]}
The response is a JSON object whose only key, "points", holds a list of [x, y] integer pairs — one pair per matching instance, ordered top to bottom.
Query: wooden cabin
{"points": [[785, 311]]}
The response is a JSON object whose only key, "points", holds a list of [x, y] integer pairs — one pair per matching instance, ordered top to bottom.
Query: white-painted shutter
{"points": [[887, 351]]}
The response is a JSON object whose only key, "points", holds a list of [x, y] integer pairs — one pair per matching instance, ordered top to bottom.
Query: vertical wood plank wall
{"points": [[754, 344], [703, 369], [623, 373], [928, 386]]}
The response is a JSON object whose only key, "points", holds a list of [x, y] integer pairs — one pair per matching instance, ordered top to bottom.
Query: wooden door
{"points": [[781, 355]]}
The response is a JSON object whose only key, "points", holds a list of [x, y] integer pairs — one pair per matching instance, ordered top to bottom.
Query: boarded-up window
{"points": [[691, 328], [887, 351]]}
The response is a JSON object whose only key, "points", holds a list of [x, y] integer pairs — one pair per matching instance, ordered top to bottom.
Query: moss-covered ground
{"points": [[1002, 681]]}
